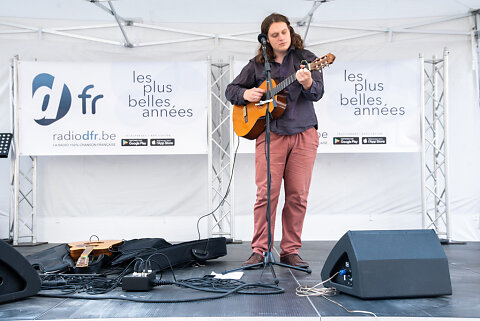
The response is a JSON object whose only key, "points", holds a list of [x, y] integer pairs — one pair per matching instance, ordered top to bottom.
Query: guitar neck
{"points": [[317, 64], [284, 84]]}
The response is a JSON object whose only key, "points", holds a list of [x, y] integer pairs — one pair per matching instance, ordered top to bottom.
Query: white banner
{"points": [[370, 106], [112, 108]]}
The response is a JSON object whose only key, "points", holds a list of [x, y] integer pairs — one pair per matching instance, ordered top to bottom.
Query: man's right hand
{"points": [[253, 95]]}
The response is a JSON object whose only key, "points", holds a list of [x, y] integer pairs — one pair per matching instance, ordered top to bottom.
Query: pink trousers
{"points": [[292, 158]]}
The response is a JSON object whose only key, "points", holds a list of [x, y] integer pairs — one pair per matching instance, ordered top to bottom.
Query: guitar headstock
{"points": [[322, 62], [82, 261]]}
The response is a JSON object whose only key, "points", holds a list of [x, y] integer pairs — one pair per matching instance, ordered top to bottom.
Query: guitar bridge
{"points": [[263, 102], [245, 114]]}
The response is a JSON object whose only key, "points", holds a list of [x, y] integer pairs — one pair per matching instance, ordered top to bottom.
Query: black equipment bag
{"points": [[138, 248], [161, 255], [53, 260]]}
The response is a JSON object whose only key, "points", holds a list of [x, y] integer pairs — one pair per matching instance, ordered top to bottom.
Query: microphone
{"points": [[262, 38]]}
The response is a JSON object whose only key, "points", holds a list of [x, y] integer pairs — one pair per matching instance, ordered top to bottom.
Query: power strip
{"points": [[139, 281]]}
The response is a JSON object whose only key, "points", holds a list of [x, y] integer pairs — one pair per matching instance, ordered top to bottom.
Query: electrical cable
{"points": [[226, 193], [148, 263], [87, 283], [210, 284], [225, 287], [315, 290], [325, 293], [225, 294], [350, 311]]}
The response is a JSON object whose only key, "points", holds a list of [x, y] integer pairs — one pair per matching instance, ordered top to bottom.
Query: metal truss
{"points": [[221, 154], [23, 181], [435, 203], [22, 222]]}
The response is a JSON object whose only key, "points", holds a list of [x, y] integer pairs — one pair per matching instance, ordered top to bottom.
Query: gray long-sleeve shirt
{"points": [[299, 114]]}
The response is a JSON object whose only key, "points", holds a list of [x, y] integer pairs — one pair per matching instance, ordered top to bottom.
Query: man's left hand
{"points": [[304, 77]]}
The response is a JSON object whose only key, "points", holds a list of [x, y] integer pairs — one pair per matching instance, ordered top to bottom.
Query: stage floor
{"points": [[464, 262]]}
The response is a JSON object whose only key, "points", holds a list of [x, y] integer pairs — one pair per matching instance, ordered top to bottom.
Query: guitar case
{"points": [[163, 255]]}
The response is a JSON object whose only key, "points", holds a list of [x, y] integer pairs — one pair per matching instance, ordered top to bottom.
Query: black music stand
{"points": [[5, 141], [269, 260]]}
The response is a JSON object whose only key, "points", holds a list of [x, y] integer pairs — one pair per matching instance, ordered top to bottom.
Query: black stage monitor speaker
{"points": [[388, 264], [18, 279]]}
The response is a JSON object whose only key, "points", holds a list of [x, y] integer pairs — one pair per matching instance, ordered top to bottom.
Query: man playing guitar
{"points": [[294, 138]]}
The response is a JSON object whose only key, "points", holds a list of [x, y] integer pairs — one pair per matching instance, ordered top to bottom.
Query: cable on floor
{"points": [[71, 286], [316, 290]]}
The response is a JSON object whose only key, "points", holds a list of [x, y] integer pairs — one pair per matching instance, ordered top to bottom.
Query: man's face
{"points": [[279, 37]]}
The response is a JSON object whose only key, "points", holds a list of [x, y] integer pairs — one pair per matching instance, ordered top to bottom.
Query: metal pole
{"points": [[315, 6], [117, 18], [308, 27], [476, 49], [475, 62], [422, 135], [445, 141], [210, 147], [436, 147], [220, 155], [12, 157], [232, 159], [16, 182], [34, 200]]}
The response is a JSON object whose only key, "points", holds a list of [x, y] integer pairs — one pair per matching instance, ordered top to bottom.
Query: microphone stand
{"points": [[268, 256]]}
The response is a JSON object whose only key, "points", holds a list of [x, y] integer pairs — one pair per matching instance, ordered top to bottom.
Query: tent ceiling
{"points": [[234, 11], [121, 13]]}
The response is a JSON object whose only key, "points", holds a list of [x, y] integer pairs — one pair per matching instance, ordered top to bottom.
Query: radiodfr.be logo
{"points": [[56, 102], [51, 111]]}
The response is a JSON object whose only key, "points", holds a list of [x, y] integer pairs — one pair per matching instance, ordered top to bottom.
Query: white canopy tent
{"points": [[163, 196]]}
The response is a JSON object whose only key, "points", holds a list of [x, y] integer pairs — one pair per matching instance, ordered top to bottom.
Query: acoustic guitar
{"points": [[249, 120], [80, 251]]}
